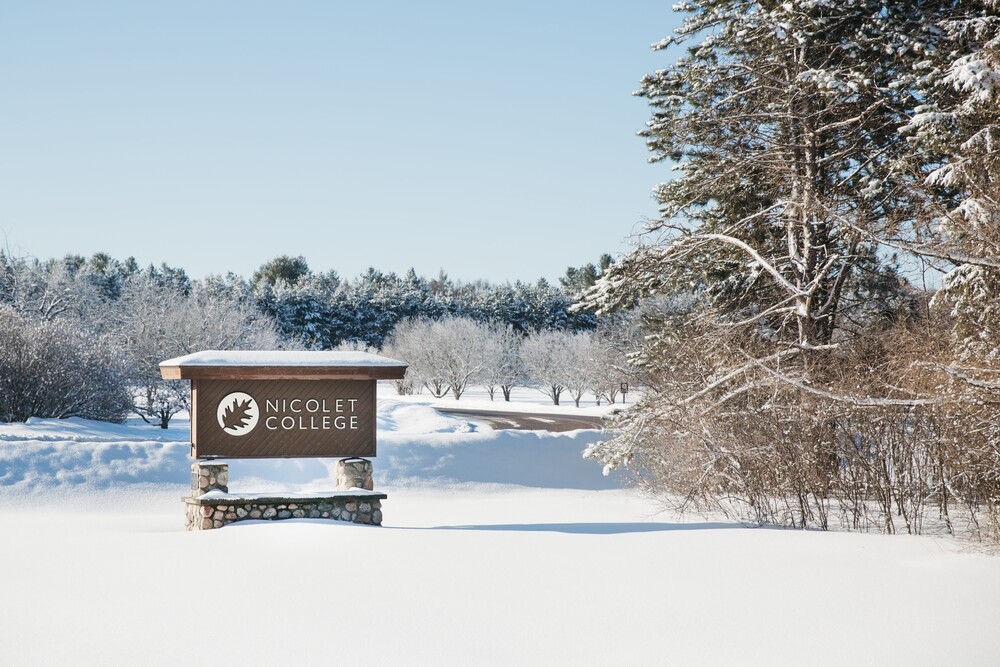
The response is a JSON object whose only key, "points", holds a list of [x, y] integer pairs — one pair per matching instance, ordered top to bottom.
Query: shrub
{"points": [[53, 370]]}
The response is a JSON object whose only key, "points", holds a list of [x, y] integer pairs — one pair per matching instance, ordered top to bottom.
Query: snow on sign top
{"points": [[280, 358], [281, 364]]}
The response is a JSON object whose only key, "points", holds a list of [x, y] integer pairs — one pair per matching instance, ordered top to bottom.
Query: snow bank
{"points": [[416, 419], [75, 429], [416, 445]]}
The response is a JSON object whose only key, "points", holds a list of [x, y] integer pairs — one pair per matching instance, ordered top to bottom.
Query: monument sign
{"points": [[282, 404]]}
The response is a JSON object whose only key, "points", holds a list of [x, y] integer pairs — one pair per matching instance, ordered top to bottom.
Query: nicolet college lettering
{"points": [[313, 414]]}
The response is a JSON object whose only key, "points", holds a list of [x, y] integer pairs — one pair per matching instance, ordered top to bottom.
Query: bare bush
{"points": [[54, 370], [891, 442]]}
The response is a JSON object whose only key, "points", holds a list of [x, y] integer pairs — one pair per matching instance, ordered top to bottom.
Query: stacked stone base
{"points": [[216, 510]]}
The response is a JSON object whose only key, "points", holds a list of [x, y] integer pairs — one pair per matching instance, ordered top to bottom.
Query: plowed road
{"points": [[528, 421]]}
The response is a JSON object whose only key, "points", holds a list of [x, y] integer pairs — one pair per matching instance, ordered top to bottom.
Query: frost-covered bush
{"points": [[155, 321], [444, 355], [558, 361], [502, 363], [52, 369]]}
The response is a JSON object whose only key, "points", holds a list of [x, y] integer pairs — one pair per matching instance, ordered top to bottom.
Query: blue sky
{"points": [[494, 141]]}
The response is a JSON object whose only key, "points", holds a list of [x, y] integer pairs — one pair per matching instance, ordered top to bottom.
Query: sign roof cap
{"points": [[282, 364]]}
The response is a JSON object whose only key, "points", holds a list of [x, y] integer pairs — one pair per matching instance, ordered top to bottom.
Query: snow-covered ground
{"points": [[498, 547]]}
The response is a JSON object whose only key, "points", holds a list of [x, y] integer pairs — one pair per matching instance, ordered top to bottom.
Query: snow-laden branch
{"points": [[928, 250], [756, 256], [776, 309], [777, 356], [962, 374], [739, 391], [840, 398]]}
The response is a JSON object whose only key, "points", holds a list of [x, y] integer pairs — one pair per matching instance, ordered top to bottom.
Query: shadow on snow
{"points": [[567, 528]]}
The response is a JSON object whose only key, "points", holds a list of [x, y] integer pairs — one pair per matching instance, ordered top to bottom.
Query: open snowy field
{"points": [[522, 399], [498, 547]]}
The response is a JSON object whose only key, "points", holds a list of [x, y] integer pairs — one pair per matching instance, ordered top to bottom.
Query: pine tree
{"points": [[783, 123], [955, 134], [282, 268], [762, 288]]}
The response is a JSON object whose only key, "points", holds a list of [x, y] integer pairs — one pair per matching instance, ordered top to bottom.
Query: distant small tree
{"points": [[617, 336], [411, 341], [463, 351], [446, 354], [545, 361], [502, 364], [580, 368], [607, 376]]}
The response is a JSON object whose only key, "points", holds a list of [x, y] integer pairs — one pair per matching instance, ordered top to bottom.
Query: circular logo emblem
{"points": [[238, 413]]}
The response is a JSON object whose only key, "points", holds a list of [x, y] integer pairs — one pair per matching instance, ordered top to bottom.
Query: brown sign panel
{"points": [[282, 418]]}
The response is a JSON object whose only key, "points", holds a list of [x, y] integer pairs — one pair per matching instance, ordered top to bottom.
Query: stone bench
{"points": [[211, 506]]}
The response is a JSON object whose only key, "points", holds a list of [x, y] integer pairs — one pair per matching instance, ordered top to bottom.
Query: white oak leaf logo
{"points": [[237, 413]]}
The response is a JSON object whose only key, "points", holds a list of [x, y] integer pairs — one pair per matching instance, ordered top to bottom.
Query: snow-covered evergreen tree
{"points": [[782, 121], [955, 133], [776, 330]]}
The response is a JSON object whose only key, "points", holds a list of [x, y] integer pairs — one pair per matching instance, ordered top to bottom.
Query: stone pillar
{"points": [[354, 473], [207, 476]]}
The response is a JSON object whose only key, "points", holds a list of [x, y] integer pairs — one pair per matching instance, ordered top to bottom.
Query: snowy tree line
{"points": [[323, 311], [111, 322], [84, 337], [449, 354], [795, 373]]}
